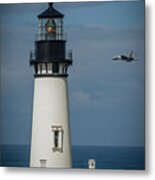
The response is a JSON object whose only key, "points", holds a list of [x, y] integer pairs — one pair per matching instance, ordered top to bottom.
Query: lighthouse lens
{"points": [[50, 26], [50, 30]]}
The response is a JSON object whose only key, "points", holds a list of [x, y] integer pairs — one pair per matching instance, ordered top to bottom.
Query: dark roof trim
{"points": [[50, 12]]}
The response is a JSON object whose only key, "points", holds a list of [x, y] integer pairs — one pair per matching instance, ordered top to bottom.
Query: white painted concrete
{"points": [[50, 108]]}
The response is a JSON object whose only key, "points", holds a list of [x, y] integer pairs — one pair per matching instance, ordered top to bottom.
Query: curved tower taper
{"points": [[50, 141]]}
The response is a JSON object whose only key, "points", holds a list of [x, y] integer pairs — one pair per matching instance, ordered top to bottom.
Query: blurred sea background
{"points": [[106, 157]]}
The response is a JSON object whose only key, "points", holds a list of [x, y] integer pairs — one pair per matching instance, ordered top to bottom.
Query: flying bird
{"points": [[128, 58]]}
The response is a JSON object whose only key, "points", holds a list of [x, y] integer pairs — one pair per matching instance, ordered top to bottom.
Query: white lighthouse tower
{"points": [[50, 142]]}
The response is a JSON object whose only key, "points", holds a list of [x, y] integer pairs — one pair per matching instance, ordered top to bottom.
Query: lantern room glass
{"points": [[50, 29]]}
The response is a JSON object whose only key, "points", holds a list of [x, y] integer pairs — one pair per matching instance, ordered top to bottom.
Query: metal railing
{"points": [[56, 36], [69, 54], [32, 55]]}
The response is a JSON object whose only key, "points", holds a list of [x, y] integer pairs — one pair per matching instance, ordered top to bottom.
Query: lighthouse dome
{"points": [[51, 12]]}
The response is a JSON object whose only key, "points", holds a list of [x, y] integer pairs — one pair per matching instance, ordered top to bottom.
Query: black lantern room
{"points": [[49, 57]]}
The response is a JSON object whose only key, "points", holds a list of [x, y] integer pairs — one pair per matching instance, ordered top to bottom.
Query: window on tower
{"points": [[50, 29], [43, 68], [49, 68], [55, 68], [57, 134], [56, 138], [43, 163]]}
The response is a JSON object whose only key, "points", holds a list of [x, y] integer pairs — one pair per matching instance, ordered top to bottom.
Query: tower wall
{"points": [[50, 50], [50, 142]]}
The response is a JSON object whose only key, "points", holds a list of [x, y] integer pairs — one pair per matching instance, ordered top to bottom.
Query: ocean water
{"points": [[107, 157], [110, 157]]}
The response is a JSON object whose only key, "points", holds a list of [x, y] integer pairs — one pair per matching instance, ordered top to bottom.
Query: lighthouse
{"points": [[50, 139]]}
